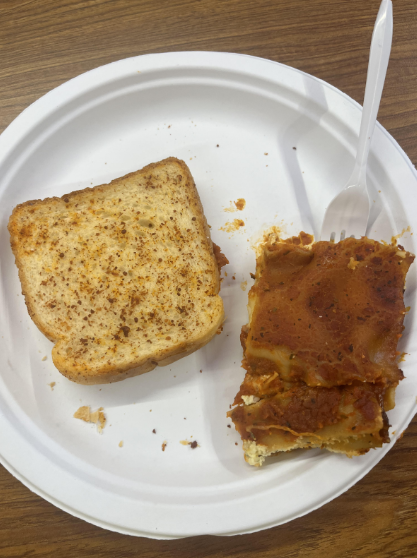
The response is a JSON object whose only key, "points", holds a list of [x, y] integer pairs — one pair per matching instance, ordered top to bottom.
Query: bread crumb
{"points": [[265, 153], [243, 285], [44, 358], [201, 371], [52, 385], [83, 413], [97, 417], [154, 431], [393, 433], [401, 435], [121, 444], [164, 445]]}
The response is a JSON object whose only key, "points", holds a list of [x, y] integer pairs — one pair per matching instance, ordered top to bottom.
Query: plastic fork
{"points": [[348, 213]]}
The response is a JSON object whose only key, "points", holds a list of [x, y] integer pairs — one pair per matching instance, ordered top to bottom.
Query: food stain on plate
{"points": [[238, 205], [232, 226], [400, 235], [261, 236], [192, 444]]}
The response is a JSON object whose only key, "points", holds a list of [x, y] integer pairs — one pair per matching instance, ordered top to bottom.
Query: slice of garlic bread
{"points": [[121, 277]]}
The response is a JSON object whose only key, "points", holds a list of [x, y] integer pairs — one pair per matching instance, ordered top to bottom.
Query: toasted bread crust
{"points": [[157, 304]]}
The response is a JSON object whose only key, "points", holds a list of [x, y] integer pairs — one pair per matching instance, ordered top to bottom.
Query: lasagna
{"points": [[320, 349]]}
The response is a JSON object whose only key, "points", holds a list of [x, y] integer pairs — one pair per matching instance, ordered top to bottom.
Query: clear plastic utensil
{"points": [[347, 214]]}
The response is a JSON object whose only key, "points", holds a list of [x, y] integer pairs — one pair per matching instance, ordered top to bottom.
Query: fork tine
{"points": [[346, 215]]}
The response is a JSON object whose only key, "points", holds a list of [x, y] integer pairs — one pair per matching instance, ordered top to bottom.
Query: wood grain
{"points": [[44, 43]]}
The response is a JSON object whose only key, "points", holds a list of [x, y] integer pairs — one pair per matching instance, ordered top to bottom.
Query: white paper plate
{"points": [[235, 120]]}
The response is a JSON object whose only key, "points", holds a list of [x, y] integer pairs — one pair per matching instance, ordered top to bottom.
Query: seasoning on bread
{"points": [[121, 277]]}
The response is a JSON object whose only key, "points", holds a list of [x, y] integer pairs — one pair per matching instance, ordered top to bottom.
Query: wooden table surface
{"points": [[46, 42]]}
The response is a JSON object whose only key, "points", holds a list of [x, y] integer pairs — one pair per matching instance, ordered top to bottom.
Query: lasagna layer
{"points": [[320, 349]]}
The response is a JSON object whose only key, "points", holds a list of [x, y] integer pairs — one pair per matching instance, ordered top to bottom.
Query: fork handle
{"points": [[377, 69]]}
